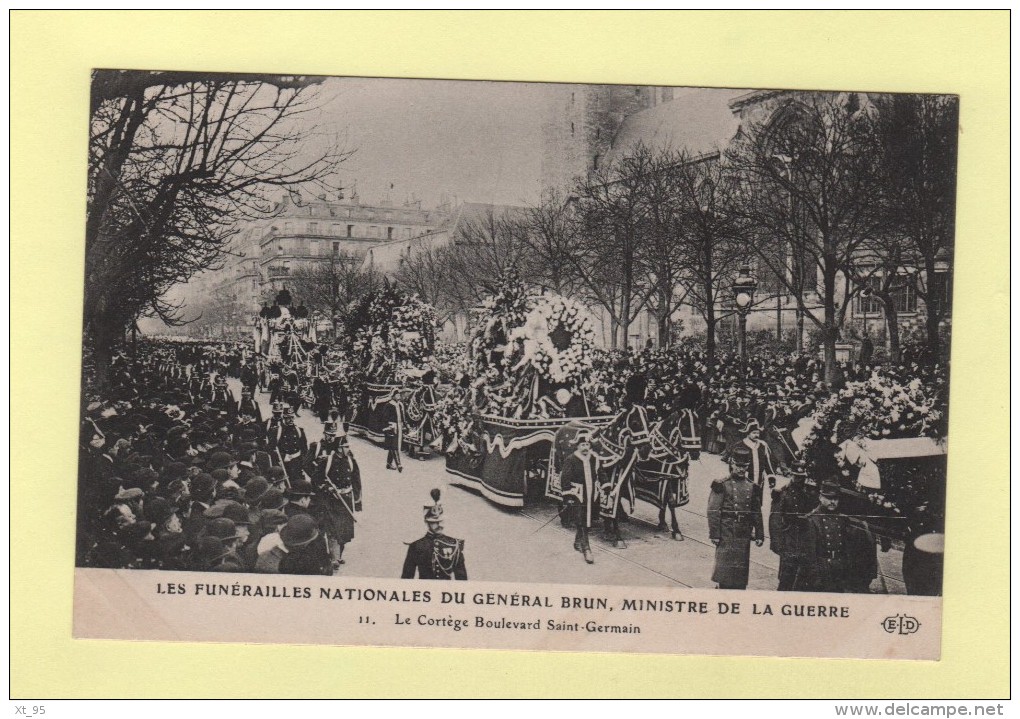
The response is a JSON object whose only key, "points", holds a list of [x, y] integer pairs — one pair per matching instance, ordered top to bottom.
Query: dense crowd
{"points": [[175, 472]]}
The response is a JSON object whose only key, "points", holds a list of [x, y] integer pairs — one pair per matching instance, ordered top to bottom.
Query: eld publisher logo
{"points": [[900, 624]]}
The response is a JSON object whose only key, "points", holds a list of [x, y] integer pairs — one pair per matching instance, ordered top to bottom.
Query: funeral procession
{"points": [[576, 334]]}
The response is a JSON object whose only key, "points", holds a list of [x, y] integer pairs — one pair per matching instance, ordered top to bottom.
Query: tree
{"points": [[916, 142], [175, 159], [808, 178], [608, 215], [707, 235], [550, 237], [427, 271], [330, 285]]}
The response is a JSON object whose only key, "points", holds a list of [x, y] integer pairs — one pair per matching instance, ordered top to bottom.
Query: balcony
{"points": [[277, 272]]}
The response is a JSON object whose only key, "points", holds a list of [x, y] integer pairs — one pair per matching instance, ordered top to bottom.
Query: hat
{"points": [[277, 407], [288, 412], [751, 426], [329, 428], [740, 454], [220, 460], [276, 475], [220, 476], [202, 486], [301, 488], [255, 489], [829, 489], [129, 495], [273, 499], [158, 510], [433, 512], [237, 513], [270, 518], [222, 528], [300, 530], [210, 549]]}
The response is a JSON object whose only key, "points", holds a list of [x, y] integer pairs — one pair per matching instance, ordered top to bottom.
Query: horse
{"points": [[661, 479]]}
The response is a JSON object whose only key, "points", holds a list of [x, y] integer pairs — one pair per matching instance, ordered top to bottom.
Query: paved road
{"points": [[523, 545]]}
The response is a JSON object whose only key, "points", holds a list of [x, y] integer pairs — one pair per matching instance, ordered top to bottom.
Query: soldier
{"points": [[248, 405], [274, 421], [290, 444], [337, 481], [578, 482], [734, 521], [787, 525], [826, 544], [435, 556]]}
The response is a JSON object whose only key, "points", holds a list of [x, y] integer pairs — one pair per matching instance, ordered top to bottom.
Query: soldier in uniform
{"points": [[248, 405], [274, 421], [290, 445], [337, 481], [578, 482], [734, 521], [787, 524], [826, 543], [435, 556]]}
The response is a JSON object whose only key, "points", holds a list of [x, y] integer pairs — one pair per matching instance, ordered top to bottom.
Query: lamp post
{"points": [[743, 297]]}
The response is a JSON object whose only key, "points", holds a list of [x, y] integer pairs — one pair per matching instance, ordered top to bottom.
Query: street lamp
{"points": [[743, 297]]}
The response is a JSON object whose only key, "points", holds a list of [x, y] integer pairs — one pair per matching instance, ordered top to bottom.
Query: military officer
{"points": [[248, 405], [290, 444], [337, 480], [578, 482], [790, 506], [734, 521], [826, 543], [435, 556]]}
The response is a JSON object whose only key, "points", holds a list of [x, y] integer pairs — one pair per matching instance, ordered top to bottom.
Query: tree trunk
{"points": [[933, 310], [710, 323], [892, 327], [830, 331], [665, 340]]}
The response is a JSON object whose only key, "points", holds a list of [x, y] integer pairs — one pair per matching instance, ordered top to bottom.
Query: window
{"points": [[571, 129], [288, 227], [313, 228], [334, 229], [350, 230], [373, 231], [389, 233], [315, 248], [336, 249], [904, 298]]}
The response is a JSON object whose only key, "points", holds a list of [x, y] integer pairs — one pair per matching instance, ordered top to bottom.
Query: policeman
{"points": [[734, 521], [787, 524], [826, 543], [435, 556]]}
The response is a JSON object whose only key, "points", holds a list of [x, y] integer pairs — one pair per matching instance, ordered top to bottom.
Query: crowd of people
{"points": [[175, 472], [178, 473]]}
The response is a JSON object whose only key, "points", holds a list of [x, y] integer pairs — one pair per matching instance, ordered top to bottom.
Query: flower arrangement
{"points": [[390, 332], [557, 340]]}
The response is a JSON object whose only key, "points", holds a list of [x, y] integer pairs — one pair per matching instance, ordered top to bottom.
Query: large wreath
{"points": [[391, 333], [557, 340]]}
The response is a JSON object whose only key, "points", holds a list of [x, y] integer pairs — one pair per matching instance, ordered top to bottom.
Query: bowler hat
{"points": [[220, 460], [301, 488], [255, 489], [273, 499], [237, 513], [272, 518], [222, 527], [300, 530], [210, 549]]}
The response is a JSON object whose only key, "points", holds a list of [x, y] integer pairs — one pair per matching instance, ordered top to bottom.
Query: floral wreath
{"points": [[557, 340]]}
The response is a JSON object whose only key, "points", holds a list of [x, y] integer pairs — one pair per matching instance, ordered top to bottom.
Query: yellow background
{"points": [[51, 54]]}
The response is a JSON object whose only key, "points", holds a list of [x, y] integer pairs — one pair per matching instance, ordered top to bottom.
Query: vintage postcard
{"points": [[606, 368]]}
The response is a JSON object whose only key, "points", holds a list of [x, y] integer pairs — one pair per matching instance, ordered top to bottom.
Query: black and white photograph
{"points": [[596, 354]]}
